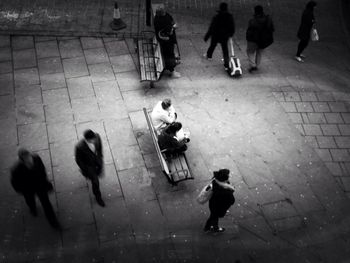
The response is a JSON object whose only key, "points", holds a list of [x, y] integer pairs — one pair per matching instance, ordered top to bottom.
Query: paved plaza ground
{"points": [[284, 132]]}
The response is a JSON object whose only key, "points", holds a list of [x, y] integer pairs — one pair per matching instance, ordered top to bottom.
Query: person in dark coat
{"points": [[307, 22], [164, 26], [221, 28], [259, 35], [167, 140], [89, 158], [29, 178], [221, 200]]}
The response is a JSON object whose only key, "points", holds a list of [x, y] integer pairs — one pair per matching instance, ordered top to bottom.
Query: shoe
{"points": [[302, 56], [206, 57], [299, 59], [251, 69], [175, 74], [100, 202], [207, 230], [219, 230]]}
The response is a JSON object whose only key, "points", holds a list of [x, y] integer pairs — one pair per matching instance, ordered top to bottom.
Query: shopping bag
{"points": [[314, 35], [205, 194]]}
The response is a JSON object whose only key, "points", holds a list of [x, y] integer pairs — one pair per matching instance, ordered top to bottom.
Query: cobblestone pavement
{"points": [[283, 132]]}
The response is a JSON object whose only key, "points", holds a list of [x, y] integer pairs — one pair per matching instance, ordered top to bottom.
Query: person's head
{"points": [[311, 4], [223, 7], [258, 10], [160, 11], [166, 104], [175, 127], [89, 135], [25, 157], [222, 175]]}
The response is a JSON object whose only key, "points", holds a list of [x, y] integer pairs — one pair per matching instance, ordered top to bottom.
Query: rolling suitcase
{"points": [[234, 64]]}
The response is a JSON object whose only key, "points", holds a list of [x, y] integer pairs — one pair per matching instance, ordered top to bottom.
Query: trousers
{"points": [[303, 43], [224, 47], [254, 54], [46, 204], [213, 221]]}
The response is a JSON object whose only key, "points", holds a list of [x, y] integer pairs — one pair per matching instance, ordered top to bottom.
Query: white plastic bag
{"points": [[314, 35], [205, 194]]}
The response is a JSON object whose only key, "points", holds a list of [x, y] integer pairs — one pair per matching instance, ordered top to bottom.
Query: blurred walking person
{"points": [[221, 28], [304, 32], [259, 36], [89, 158], [29, 178], [221, 200]]}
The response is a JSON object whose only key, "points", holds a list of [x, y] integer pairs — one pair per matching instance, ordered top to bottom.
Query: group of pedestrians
{"points": [[259, 34], [28, 174], [29, 177]]}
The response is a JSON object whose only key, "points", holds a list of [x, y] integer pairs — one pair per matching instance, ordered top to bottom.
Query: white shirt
{"points": [[160, 117]]}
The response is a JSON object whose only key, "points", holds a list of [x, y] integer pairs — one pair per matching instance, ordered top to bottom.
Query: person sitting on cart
{"points": [[164, 26], [168, 141]]}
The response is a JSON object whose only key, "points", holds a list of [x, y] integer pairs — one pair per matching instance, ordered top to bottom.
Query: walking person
{"points": [[307, 22], [164, 26], [221, 28], [259, 36], [89, 158], [29, 178], [221, 200]]}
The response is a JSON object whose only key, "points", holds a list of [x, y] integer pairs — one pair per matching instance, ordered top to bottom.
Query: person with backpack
{"points": [[307, 23], [221, 28], [259, 36], [221, 200]]}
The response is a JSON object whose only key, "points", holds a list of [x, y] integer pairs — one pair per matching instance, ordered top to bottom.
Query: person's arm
{"points": [[271, 25], [232, 26], [210, 30], [172, 113], [166, 118], [100, 147], [78, 153], [41, 167], [15, 181], [225, 185]]}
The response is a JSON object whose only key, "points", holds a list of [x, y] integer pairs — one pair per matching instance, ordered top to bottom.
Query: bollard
{"points": [[117, 22]]}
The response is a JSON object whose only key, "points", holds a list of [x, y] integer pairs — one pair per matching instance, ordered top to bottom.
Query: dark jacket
{"points": [[307, 21], [164, 24], [222, 27], [260, 30], [171, 144], [90, 163], [32, 180], [221, 200]]}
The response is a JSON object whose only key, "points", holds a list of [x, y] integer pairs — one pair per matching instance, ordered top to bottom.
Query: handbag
{"points": [[314, 34], [205, 194]]}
